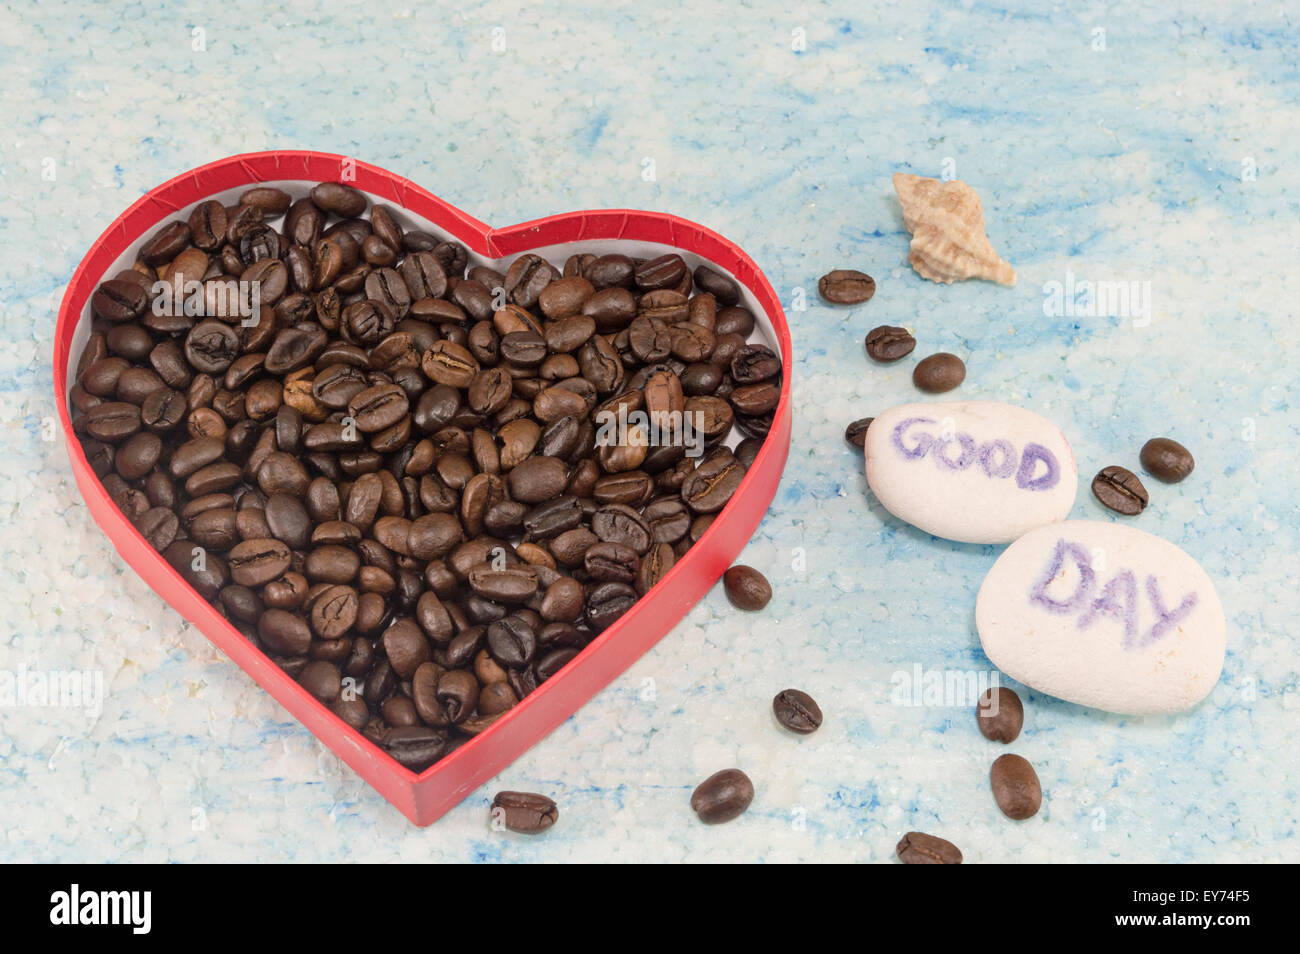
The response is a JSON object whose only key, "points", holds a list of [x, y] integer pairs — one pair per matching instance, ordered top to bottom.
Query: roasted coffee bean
{"points": [[342, 200], [271, 201], [207, 225], [165, 244], [609, 271], [666, 271], [526, 278], [716, 284], [384, 286], [846, 286], [564, 299], [118, 300], [733, 321], [887, 343], [211, 346], [755, 363], [450, 364], [939, 373], [756, 399], [378, 407], [113, 421], [856, 433], [138, 455], [1166, 459], [537, 479], [713, 482], [1120, 490], [668, 520], [618, 523], [159, 526], [257, 562], [612, 562], [654, 566], [513, 584], [746, 588], [607, 602], [334, 611], [284, 632], [511, 641], [406, 647], [554, 661], [322, 680], [458, 693], [797, 711], [999, 715], [415, 747], [1015, 787], [722, 796], [523, 812], [918, 848]]}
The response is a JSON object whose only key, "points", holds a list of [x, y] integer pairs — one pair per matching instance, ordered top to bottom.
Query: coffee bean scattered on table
{"points": [[846, 286], [887, 343], [939, 373], [856, 433], [1166, 459], [393, 480], [1120, 490], [746, 587], [797, 711], [1000, 715], [1015, 787], [722, 796], [524, 812], [918, 848]]}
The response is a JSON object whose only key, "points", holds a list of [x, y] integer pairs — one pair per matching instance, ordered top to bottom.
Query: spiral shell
{"points": [[946, 220]]}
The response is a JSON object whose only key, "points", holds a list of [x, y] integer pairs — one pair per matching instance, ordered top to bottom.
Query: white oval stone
{"points": [[974, 471], [1103, 615]]}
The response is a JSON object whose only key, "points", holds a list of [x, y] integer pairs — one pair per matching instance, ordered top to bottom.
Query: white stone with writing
{"points": [[973, 471], [1103, 615]]}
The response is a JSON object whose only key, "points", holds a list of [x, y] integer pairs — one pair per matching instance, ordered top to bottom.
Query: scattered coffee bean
{"points": [[846, 286], [887, 343], [939, 373], [856, 433], [1166, 459], [394, 480], [1120, 490], [746, 587], [797, 711], [999, 715], [1015, 787], [722, 796], [524, 812], [918, 848]]}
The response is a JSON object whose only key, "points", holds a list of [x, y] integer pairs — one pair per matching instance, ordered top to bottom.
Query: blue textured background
{"points": [[1122, 163]]}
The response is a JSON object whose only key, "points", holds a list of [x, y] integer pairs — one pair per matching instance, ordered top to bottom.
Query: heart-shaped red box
{"points": [[423, 797]]}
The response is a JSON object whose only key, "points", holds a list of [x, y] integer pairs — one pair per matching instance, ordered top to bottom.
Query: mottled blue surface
{"points": [[1128, 162]]}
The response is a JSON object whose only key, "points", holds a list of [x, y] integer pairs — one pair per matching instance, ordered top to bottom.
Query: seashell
{"points": [[946, 220]]}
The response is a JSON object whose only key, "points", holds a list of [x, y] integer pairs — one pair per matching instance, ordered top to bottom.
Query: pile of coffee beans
{"points": [[384, 467]]}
